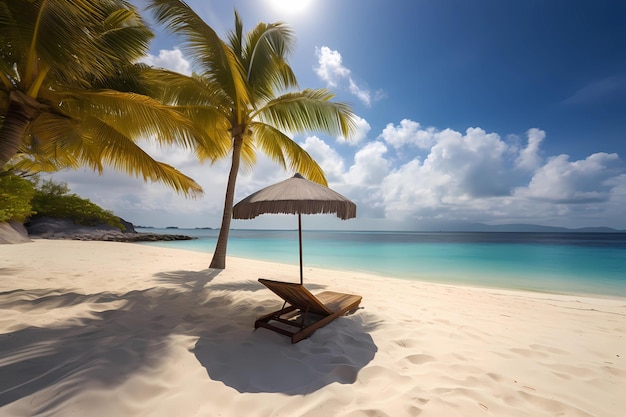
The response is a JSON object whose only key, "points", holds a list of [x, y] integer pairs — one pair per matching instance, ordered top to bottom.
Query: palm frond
{"points": [[124, 36], [236, 38], [77, 40], [214, 59], [265, 60], [178, 89], [202, 102], [309, 110], [135, 115], [54, 140], [213, 140], [117, 150], [284, 150], [248, 154], [42, 162]]}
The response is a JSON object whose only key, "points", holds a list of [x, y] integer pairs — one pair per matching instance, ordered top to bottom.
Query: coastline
{"points": [[574, 264], [143, 330]]}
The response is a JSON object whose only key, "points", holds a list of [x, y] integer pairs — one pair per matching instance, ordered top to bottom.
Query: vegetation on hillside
{"points": [[16, 194], [23, 199]]}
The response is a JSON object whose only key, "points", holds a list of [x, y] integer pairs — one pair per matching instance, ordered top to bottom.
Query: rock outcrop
{"points": [[49, 228], [13, 232]]}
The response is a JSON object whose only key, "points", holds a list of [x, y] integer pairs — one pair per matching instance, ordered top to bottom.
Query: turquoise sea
{"points": [[564, 263]]}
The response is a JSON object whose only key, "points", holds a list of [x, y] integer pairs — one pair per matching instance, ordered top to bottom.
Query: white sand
{"points": [[116, 329]]}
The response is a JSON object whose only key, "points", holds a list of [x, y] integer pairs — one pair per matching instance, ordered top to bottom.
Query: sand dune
{"points": [[118, 329]]}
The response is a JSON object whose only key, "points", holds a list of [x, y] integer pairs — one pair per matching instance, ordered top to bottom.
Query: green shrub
{"points": [[15, 197], [53, 200]]}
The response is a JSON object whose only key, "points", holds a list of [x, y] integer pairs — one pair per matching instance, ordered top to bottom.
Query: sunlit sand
{"points": [[118, 329]]}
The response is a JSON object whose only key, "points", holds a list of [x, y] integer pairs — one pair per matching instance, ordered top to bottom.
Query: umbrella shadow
{"points": [[263, 361]]}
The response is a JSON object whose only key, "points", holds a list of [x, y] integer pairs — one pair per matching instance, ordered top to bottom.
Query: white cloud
{"points": [[169, 59], [331, 70], [361, 93], [408, 133], [529, 158], [370, 166], [457, 174], [471, 176], [476, 177], [589, 180]]}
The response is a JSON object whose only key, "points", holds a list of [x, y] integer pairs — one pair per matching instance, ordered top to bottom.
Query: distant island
{"points": [[516, 228]]}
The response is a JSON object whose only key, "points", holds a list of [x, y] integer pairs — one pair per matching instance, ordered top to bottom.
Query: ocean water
{"points": [[564, 263]]}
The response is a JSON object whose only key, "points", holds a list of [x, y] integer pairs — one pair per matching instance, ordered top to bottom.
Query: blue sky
{"points": [[485, 111]]}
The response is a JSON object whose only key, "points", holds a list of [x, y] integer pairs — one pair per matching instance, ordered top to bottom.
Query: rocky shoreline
{"points": [[48, 228], [112, 236]]}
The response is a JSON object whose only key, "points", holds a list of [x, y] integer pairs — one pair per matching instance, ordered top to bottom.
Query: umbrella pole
{"points": [[300, 241]]}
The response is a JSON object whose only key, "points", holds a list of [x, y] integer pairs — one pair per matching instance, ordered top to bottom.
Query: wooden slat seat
{"points": [[303, 312]]}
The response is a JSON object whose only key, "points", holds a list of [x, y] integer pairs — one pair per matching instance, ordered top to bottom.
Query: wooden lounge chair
{"points": [[302, 312]]}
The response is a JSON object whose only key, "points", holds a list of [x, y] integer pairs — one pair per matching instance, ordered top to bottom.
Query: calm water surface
{"points": [[570, 263]]}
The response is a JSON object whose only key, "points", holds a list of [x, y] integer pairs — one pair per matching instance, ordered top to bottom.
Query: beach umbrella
{"points": [[296, 195]]}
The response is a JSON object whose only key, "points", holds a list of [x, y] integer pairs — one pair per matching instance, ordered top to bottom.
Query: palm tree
{"points": [[70, 94], [235, 95]]}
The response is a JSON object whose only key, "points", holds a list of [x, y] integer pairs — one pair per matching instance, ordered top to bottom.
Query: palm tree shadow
{"points": [[192, 280], [252, 286], [99, 339]]}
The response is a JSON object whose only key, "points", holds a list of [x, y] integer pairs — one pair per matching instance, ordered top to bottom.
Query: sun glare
{"points": [[291, 7]]}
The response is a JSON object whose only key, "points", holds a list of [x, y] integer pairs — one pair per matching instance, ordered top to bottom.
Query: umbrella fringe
{"points": [[343, 209]]}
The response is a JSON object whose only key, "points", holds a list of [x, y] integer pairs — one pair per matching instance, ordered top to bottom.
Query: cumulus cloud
{"points": [[169, 59], [332, 71], [363, 94], [408, 132], [529, 158], [370, 166], [459, 170], [411, 174], [477, 176], [560, 180]]}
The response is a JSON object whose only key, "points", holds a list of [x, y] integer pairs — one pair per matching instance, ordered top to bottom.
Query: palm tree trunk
{"points": [[21, 110], [219, 256]]}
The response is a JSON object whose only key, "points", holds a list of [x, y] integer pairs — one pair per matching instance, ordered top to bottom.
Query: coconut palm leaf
{"points": [[213, 58], [67, 80], [309, 110], [135, 115], [285, 151]]}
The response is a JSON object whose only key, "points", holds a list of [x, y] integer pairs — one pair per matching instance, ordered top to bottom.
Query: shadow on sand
{"points": [[108, 337], [263, 361]]}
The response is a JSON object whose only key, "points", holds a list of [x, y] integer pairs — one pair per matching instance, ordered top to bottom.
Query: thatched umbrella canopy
{"points": [[296, 195]]}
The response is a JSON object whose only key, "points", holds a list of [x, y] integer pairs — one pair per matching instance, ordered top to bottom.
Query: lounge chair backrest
{"points": [[296, 295]]}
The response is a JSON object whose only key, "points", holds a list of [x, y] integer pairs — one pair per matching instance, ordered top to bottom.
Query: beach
{"points": [[122, 329]]}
